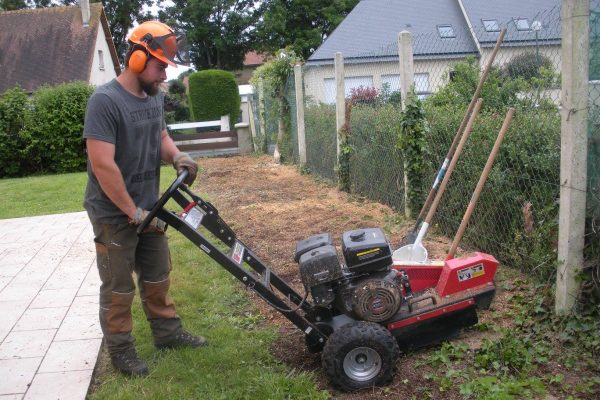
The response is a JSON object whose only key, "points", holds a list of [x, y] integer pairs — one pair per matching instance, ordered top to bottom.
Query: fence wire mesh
{"points": [[319, 122], [593, 198], [516, 218]]}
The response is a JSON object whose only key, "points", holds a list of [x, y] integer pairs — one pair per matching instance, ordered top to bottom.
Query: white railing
{"points": [[223, 124]]}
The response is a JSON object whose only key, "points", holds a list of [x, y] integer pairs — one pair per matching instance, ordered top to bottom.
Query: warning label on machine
{"points": [[238, 253], [471, 272]]}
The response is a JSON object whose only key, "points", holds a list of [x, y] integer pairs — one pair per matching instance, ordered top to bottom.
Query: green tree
{"points": [[10, 5], [121, 17], [300, 24], [219, 32]]}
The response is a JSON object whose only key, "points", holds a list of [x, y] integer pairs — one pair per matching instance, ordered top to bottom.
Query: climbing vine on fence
{"points": [[413, 144]]}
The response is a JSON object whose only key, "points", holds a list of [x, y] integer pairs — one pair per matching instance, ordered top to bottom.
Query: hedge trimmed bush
{"points": [[214, 93], [13, 109], [55, 127], [43, 133], [526, 171]]}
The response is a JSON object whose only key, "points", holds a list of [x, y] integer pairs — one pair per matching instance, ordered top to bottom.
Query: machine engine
{"points": [[364, 286]]}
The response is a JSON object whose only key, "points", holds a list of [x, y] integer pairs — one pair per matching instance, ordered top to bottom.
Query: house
{"points": [[444, 32], [49, 46], [252, 60]]}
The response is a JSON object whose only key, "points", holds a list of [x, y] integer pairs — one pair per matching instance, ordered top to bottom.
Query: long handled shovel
{"points": [[481, 183], [411, 236], [416, 252]]}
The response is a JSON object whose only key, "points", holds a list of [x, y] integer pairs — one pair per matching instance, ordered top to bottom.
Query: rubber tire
{"points": [[355, 335]]}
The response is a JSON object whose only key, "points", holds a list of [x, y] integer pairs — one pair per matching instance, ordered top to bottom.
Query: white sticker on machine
{"points": [[194, 217], [238, 253], [471, 272]]}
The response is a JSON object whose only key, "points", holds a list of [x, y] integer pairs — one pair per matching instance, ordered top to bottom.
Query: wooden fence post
{"points": [[405, 52], [299, 85], [573, 153]]}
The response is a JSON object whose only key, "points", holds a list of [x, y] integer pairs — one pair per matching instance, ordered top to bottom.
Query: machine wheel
{"points": [[360, 355]]}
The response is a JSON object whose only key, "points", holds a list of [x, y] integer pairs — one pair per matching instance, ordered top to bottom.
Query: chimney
{"points": [[85, 12]]}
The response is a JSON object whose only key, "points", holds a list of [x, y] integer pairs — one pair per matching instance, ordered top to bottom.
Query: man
{"points": [[126, 139]]}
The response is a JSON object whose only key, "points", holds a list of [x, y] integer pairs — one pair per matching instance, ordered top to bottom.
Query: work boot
{"points": [[183, 339], [129, 363]]}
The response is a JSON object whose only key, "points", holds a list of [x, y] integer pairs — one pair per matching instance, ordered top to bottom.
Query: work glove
{"points": [[183, 160], [156, 225]]}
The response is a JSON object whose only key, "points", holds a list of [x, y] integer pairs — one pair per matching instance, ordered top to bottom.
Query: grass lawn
{"points": [[236, 365]]}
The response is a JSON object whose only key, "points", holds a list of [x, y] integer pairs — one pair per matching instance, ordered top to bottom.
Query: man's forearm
{"points": [[168, 149], [111, 181]]}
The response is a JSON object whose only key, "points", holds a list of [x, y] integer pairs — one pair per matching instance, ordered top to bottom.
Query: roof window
{"points": [[522, 24], [491, 25], [446, 31]]}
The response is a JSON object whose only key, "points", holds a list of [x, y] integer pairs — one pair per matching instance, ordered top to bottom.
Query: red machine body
{"points": [[451, 276]]}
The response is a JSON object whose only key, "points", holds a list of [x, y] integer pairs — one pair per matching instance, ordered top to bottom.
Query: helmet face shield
{"points": [[173, 47]]}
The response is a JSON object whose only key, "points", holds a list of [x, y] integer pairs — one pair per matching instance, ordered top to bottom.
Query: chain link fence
{"points": [[593, 199], [517, 215], [516, 218]]}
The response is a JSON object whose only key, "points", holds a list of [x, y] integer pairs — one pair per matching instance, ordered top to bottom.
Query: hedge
{"points": [[214, 93], [43, 133]]}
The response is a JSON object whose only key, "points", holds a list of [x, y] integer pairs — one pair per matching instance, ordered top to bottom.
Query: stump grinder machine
{"points": [[364, 307]]}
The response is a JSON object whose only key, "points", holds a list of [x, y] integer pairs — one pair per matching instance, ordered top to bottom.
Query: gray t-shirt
{"points": [[134, 126]]}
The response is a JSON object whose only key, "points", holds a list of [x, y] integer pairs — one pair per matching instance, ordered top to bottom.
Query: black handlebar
{"points": [[163, 200]]}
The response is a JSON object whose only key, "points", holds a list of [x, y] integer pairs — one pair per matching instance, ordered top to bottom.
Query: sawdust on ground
{"points": [[271, 207]]}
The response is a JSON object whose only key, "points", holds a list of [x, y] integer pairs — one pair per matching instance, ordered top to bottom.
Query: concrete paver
{"points": [[50, 335]]}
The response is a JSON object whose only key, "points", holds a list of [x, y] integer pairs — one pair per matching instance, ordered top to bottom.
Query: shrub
{"points": [[526, 65], [497, 92], [214, 93], [363, 95], [13, 108], [54, 128], [321, 141], [376, 161], [526, 170]]}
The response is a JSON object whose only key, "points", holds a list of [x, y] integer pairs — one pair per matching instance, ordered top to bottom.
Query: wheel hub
{"points": [[362, 364]]}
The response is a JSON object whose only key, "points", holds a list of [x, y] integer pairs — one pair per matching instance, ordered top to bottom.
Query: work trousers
{"points": [[121, 252]]}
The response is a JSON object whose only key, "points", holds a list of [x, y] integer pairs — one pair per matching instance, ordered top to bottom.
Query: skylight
{"points": [[522, 24], [491, 25], [446, 31]]}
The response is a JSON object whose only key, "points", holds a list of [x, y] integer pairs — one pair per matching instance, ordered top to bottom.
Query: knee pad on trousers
{"points": [[156, 300], [118, 315]]}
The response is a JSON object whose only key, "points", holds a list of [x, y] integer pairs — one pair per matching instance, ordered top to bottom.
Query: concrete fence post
{"points": [[407, 77], [299, 85], [340, 101], [264, 141], [573, 153]]}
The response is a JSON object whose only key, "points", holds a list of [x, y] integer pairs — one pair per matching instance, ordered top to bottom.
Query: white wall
{"points": [[429, 74], [99, 76]]}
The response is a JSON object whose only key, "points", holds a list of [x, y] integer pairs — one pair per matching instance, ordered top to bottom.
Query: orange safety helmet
{"points": [[157, 39]]}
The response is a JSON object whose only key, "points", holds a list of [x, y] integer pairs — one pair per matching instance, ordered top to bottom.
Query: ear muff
{"points": [[137, 61]]}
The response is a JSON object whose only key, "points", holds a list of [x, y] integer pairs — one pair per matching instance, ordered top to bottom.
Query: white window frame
{"points": [[519, 21], [491, 25], [446, 31], [100, 60], [393, 80], [422, 85]]}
